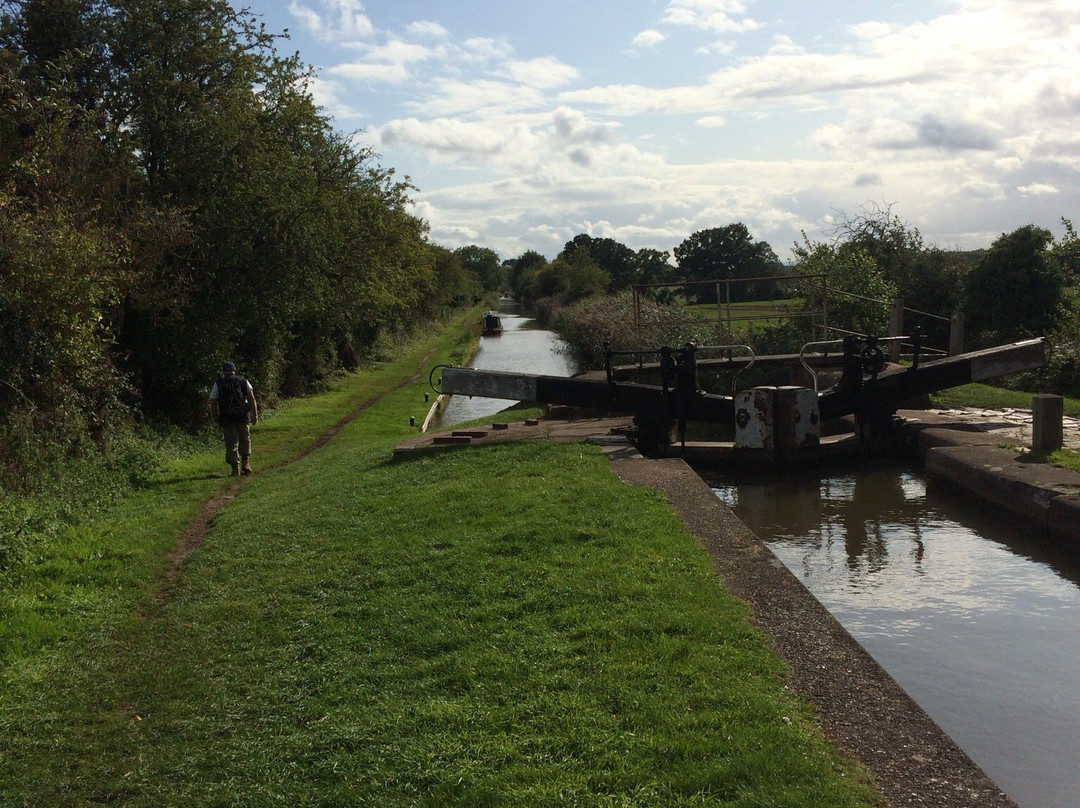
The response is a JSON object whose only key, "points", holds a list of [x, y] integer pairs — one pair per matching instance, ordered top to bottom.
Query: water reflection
{"points": [[523, 347], [977, 619]]}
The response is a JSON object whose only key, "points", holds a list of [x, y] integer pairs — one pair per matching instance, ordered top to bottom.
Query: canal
{"points": [[522, 347], [975, 618]]}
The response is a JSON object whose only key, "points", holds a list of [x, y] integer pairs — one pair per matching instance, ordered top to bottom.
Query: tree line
{"points": [[170, 197], [1021, 285]]}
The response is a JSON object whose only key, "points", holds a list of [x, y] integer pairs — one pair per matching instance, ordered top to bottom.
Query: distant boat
{"points": [[490, 325]]}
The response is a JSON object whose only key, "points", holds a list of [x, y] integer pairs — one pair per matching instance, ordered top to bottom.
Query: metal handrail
{"points": [[747, 348], [803, 362]]}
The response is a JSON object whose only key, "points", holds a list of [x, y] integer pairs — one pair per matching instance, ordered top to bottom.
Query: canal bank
{"points": [[985, 454], [860, 706]]}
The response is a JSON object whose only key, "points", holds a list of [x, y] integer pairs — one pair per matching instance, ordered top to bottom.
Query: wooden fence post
{"points": [[956, 334], [1047, 429]]}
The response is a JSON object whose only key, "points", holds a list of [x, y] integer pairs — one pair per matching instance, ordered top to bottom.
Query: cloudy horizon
{"points": [[644, 121]]}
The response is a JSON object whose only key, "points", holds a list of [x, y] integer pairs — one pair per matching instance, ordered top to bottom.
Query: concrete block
{"points": [[1023, 489], [1063, 521]]}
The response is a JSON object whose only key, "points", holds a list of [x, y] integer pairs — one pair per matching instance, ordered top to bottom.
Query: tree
{"points": [[73, 246], [1066, 252], [723, 253], [614, 258], [483, 264], [653, 266], [521, 272], [926, 278], [455, 285], [1016, 289], [857, 291]]}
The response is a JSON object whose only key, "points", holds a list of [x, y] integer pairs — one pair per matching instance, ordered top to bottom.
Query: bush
{"points": [[587, 326]]}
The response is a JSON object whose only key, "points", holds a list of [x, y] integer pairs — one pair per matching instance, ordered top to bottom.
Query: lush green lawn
{"points": [[507, 625]]}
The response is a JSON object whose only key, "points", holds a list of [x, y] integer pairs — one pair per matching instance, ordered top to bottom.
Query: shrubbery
{"points": [[586, 326]]}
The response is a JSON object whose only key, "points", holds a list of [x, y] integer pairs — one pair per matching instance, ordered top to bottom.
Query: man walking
{"points": [[232, 399]]}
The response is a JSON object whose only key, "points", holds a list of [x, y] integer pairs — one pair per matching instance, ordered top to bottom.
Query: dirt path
{"points": [[199, 528]]}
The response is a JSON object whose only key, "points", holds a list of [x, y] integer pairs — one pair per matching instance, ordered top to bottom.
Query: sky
{"points": [[524, 124]]}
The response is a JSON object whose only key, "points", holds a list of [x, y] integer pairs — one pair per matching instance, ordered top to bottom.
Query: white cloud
{"points": [[724, 16], [343, 20], [428, 29], [649, 38], [486, 49], [371, 72], [544, 73], [477, 98], [967, 120], [712, 121], [507, 143], [1038, 189]]}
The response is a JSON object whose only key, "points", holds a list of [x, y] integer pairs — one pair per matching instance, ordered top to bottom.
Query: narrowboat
{"points": [[491, 325]]}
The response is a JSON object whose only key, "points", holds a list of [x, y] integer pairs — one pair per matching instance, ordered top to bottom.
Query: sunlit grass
{"points": [[995, 398], [507, 625]]}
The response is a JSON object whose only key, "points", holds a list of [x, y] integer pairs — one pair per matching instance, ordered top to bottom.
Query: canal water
{"points": [[523, 347], [975, 618]]}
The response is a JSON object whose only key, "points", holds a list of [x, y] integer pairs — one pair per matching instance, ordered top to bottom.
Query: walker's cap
{"points": [[228, 366]]}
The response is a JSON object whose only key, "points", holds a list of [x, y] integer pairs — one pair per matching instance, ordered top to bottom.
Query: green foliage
{"points": [[170, 195], [1066, 252], [723, 253], [484, 265], [928, 279], [1015, 290], [857, 292], [588, 325], [1061, 373]]}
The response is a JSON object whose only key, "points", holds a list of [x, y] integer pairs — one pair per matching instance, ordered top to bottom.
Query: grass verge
{"points": [[998, 398], [508, 625]]}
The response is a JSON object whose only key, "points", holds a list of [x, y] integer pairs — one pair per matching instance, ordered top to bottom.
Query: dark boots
{"points": [[235, 470]]}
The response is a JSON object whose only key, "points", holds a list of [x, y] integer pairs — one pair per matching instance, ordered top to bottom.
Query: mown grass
{"points": [[995, 398], [507, 625]]}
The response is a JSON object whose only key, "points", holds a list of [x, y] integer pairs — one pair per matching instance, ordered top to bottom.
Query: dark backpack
{"points": [[232, 400]]}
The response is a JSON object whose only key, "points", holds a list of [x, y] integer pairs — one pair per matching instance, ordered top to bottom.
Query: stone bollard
{"points": [[1047, 431]]}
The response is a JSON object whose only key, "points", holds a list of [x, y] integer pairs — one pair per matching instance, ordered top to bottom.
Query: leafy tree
{"points": [[59, 45], [72, 246], [1066, 252], [723, 253], [614, 258], [483, 264], [653, 266], [521, 271], [928, 279], [454, 284], [1016, 289], [857, 292]]}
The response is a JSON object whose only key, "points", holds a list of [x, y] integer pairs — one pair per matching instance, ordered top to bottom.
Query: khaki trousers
{"points": [[237, 442]]}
